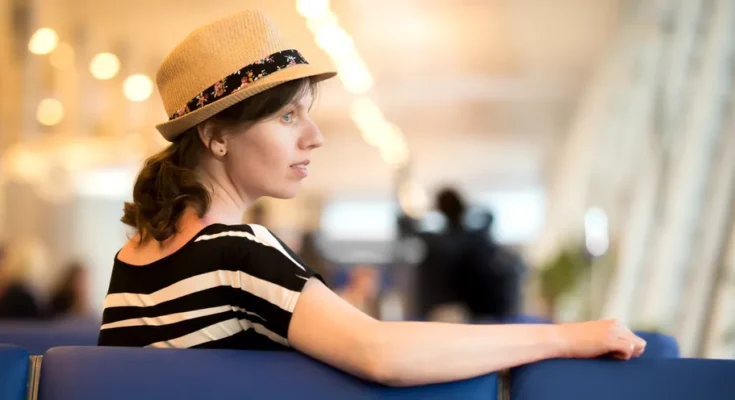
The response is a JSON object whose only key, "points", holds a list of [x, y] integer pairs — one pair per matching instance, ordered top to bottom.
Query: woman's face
{"points": [[271, 157]]}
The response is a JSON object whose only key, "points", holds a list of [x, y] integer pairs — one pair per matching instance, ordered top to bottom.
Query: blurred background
{"points": [[485, 160]]}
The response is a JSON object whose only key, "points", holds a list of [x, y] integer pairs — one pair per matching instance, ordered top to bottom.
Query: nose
{"points": [[311, 137]]}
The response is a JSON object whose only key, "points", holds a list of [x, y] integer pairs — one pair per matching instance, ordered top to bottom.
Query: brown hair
{"points": [[168, 182]]}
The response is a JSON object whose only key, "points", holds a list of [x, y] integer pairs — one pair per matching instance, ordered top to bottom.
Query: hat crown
{"points": [[214, 51]]}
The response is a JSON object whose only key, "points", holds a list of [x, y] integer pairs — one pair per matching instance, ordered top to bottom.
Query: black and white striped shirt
{"points": [[231, 287]]}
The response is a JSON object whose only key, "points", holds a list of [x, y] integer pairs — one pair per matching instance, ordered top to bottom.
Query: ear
{"points": [[212, 139]]}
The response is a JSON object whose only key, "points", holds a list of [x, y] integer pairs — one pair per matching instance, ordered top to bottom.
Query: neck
{"points": [[228, 204], [224, 213]]}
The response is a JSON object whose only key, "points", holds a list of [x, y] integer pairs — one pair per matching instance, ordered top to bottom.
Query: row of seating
{"points": [[39, 337], [67, 371], [123, 373]]}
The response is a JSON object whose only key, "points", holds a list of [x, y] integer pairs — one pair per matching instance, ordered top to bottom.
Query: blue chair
{"points": [[37, 337], [659, 345], [14, 365], [125, 373], [636, 379]]}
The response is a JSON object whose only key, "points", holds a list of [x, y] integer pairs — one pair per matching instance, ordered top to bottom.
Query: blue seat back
{"points": [[37, 337], [659, 345], [14, 365], [126, 373], [638, 379]]}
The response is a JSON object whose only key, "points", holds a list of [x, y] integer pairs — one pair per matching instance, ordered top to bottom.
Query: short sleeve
{"points": [[271, 278]]}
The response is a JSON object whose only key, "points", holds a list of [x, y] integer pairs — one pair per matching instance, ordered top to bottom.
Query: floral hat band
{"points": [[241, 78]]}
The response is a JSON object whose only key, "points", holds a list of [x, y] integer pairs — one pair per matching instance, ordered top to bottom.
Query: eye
{"points": [[288, 117]]}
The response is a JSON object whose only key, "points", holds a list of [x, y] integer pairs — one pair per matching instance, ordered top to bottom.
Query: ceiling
{"points": [[501, 75]]}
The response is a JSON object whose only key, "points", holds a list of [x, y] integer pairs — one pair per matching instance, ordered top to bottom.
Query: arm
{"points": [[414, 353]]}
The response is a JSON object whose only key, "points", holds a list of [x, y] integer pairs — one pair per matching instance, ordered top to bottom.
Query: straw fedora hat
{"points": [[223, 63]]}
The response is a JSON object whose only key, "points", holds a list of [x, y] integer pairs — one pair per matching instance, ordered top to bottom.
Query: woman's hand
{"points": [[597, 338]]}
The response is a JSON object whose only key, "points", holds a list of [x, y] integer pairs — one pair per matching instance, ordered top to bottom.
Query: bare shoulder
{"points": [[131, 252], [137, 252]]}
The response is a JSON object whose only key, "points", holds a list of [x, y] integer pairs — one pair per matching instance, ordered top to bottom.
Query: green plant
{"points": [[562, 274]]}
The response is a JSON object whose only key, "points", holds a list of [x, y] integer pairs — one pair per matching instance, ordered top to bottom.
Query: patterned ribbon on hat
{"points": [[241, 78]]}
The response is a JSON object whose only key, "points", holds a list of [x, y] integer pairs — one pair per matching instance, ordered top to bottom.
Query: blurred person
{"points": [[312, 254], [19, 264], [467, 268], [193, 276], [491, 276], [436, 280], [362, 288], [70, 297]]}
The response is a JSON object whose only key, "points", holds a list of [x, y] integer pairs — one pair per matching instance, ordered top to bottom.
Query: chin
{"points": [[286, 192]]}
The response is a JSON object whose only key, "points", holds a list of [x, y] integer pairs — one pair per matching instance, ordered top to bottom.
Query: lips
{"points": [[302, 163], [301, 168]]}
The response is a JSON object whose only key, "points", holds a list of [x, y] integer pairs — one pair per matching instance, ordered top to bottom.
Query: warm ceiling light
{"points": [[312, 8], [43, 41], [335, 41], [104, 66], [354, 75], [137, 87], [50, 112], [376, 131], [395, 153], [413, 199]]}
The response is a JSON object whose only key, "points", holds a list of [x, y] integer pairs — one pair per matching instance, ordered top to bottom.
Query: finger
{"points": [[638, 343], [640, 348], [623, 349], [620, 356]]}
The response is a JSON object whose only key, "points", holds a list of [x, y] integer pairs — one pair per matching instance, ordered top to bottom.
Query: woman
{"points": [[194, 277]]}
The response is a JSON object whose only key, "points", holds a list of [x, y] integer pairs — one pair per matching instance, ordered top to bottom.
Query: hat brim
{"points": [[171, 129]]}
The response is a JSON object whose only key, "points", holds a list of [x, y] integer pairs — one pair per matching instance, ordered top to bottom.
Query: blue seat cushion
{"points": [[14, 366], [125, 373], [643, 379]]}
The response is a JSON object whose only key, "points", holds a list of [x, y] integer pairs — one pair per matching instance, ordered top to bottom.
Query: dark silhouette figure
{"points": [[467, 267]]}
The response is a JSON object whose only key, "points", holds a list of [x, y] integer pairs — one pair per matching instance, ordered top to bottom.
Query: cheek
{"points": [[271, 156], [261, 162], [250, 167]]}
